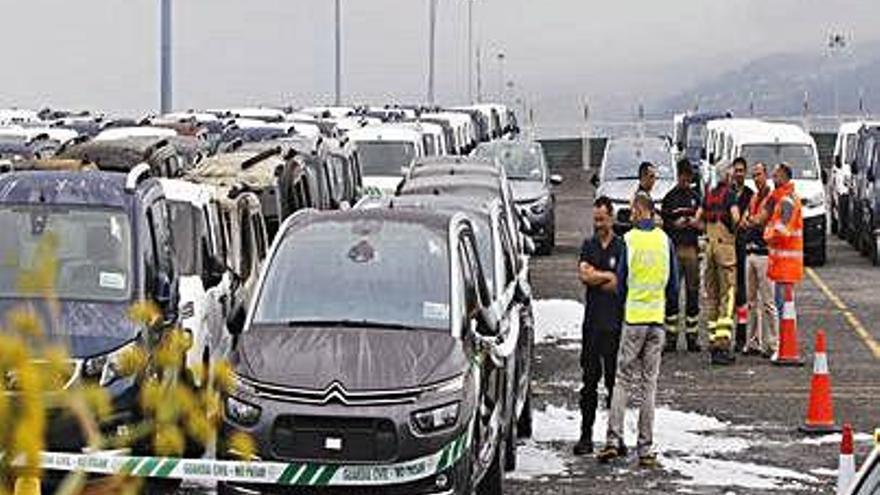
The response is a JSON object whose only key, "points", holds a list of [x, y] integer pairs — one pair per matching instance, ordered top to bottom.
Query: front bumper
{"points": [[541, 223], [815, 232]]}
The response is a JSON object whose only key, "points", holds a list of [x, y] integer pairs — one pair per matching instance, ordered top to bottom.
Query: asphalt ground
{"points": [[762, 404]]}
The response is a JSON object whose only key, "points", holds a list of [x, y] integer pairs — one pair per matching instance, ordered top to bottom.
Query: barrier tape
{"points": [[278, 473]]}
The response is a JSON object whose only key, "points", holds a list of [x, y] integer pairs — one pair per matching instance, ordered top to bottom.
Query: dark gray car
{"points": [[531, 182], [367, 357]]}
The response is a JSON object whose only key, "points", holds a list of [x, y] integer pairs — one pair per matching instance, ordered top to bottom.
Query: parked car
{"points": [[689, 139], [16, 148], [385, 152], [122, 155], [525, 166], [618, 176], [841, 176], [864, 229], [117, 250], [205, 283], [406, 394], [867, 479]]}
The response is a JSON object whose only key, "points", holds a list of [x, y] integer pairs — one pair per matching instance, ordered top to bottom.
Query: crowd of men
{"points": [[753, 255]]}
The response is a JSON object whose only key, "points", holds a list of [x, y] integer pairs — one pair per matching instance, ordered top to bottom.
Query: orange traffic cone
{"points": [[788, 353], [820, 412], [846, 470]]}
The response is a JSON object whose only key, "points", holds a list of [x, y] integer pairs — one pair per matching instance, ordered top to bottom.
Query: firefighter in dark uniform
{"points": [[743, 195], [721, 215], [681, 221]]}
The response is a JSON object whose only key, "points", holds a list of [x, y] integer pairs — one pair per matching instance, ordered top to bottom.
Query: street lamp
{"points": [[432, 24], [837, 43], [470, 44], [501, 57], [338, 75], [165, 90]]}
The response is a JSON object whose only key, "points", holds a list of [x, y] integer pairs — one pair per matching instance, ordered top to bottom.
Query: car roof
{"points": [[758, 131], [385, 132], [116, 133], [123, 153], [227, 169], [453, 170], [479, 186], [90, 187], [182, 190], [473, 207], [436, 221]]}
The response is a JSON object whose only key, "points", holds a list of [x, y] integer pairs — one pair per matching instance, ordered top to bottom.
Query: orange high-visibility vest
{"points": [[785, 240]]}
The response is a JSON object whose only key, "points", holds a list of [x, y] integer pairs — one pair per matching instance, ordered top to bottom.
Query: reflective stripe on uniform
{"points": [[787, 253]]}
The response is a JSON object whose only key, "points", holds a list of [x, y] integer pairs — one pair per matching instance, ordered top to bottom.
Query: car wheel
{"points": [[835, 226], [875, 251], [820, 256], [524, 423], [493, 481]]}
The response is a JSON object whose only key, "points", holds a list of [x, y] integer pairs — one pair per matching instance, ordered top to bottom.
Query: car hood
{"points": [[387, 184], [528, 190], [623, 190], [85, 329], [357, 358]]}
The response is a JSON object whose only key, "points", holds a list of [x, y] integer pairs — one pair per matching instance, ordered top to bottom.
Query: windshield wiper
{"points": [[626, 177], [349, 323]]}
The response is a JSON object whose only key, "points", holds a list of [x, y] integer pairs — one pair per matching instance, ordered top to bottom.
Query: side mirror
{"points": [[679, 146], [702, 154], [712, 158], [837, 162], [854, 168], [824, 174], [869, 174], [556, 179], [594, 180], [525, 226], [213, 270], [522, 293], [165, 298], [235, 320], [487, 324]]}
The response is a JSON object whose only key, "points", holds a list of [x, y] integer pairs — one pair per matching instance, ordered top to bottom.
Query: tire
{"points": [[835, 224], [875, 252], [820, 256], [524, 423], [493, 480]]}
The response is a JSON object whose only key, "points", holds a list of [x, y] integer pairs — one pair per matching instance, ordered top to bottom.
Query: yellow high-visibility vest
{"points": [[647, 255]]}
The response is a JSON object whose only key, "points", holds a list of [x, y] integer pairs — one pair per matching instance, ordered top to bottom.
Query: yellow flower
{"points": [[145, 312], [25, 321], [171, 350], [13, 351], [133, 361], [224, 378], [151, 396], [98, 401], [199, 427], [169, 441], [242, 445]]}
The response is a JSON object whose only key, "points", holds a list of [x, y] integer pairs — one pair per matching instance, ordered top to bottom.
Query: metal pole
{"points": [[431, 30], [470, 44], [501, 58], [479, 76], [165, 89], [338, 99], [586, 153]]}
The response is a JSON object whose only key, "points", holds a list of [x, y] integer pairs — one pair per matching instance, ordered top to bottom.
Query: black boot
{"points": [[671, 342], [693, 344], [584, 446]]}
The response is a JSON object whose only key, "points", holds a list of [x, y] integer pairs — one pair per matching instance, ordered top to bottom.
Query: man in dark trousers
{"points": [[743, 195], [681, 221], [603, 312]]}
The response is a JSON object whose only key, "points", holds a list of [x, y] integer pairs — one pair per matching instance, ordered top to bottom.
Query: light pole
{"points": [[432, 24], [837, 42], [470, 44], [501, 58], [479, 75], [338, 78], [165, 90]]}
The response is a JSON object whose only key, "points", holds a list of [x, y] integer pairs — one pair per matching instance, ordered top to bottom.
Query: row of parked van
{"points": [[855, 201], [377, 334]]}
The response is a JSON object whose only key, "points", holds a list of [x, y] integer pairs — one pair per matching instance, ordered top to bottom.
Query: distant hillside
{"points": [[779, 81]]}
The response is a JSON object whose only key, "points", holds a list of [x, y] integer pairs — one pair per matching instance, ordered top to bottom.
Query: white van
{"points": [[464, 136], [773, 143], [385, 153], [841, 175], [205, 283]]}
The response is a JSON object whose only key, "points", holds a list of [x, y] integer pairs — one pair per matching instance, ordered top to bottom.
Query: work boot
{"points": [[693, 344], [584, 446], [611, 452], [648, 460]]}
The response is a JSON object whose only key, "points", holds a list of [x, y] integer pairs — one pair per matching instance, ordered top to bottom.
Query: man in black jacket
{"points": [[681, 212]]}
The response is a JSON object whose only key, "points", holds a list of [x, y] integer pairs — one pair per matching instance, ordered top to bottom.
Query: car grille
{"points": [[335, 393], [334, 439]]}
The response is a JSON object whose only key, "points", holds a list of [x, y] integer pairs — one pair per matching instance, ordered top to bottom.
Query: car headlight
{"points": [[814, 200], [539, 206], [107, 368], [450, 386], [241, 412], [437, 418]]}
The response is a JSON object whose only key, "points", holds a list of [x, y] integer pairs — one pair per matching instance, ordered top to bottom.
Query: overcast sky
{"points": [[103, 53]]}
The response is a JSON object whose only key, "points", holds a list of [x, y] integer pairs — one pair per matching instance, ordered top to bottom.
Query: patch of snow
{"points": [[557, 319], [570, 346], [835, 438], [534, 461], [702, 471], [824, 472]]}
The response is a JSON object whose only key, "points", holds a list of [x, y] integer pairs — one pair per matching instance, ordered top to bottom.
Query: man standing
{"points": [[647, 178], [743, 195], [681, 213], [721, 214], [784, 234], [645, 281], [760, 297], [603, 312]]}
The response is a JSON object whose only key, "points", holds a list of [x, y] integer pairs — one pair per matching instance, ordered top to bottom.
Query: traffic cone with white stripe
{"points": [[789, 352], [820, 412], [846, 469]]}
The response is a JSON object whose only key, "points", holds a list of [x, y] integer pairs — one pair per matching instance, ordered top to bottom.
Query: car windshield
{"points": [[696, 133], [385, 157], [800, 157], [622, 160], [523, 162], [186, 223], [92, 247], [393, 274]]}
